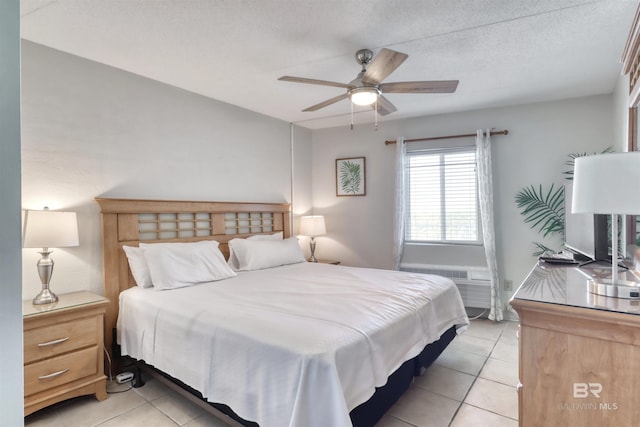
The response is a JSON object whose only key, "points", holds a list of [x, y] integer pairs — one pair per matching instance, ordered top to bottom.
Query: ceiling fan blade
{"points": [[385, 63], [313, 81], [434, 86], [327, 102], [384, 106]]}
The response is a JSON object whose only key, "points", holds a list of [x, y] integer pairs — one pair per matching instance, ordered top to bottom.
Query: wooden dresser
{"points": [[579, 352], [63, 355]]}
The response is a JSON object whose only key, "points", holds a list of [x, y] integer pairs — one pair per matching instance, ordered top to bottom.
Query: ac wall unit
{"points": [[472, 282]]}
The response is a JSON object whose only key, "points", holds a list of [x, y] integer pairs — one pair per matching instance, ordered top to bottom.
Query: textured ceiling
{"points": [[504, 52]]}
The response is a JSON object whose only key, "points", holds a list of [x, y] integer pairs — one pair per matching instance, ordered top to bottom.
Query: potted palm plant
{"points": [[543, 208]]}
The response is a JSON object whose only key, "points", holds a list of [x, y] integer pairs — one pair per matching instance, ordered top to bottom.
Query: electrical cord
{"points": [[478, 316], [106, 353], [111, 383], [130, 383]]}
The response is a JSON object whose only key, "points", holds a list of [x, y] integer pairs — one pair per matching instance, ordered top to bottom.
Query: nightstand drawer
{"points": [[48, 341], [59, 370]]}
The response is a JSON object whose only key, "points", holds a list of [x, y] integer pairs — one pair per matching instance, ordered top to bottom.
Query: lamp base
{"points": [[312, 245], [45, 270], [620, 289], [45, 297]]}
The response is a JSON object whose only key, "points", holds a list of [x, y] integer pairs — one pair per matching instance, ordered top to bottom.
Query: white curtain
{"points": [[485, 195], [399, 205]]}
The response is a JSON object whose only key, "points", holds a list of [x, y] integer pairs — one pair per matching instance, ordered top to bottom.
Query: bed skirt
{"points": [[368, 413]]}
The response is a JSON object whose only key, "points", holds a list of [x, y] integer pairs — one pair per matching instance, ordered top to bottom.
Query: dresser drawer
{"points": [[52, 340], [60, 370]]}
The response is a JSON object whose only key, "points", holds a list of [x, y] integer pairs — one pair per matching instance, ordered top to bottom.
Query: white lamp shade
{"points": [[607, 184], [312, 225], [50, 229]]}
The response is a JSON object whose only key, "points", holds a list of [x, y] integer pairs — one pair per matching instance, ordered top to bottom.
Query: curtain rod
{"points": [[467, 135]]}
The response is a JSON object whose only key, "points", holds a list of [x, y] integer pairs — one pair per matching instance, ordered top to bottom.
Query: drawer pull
{"points": [[54, 342], [55, 374]]}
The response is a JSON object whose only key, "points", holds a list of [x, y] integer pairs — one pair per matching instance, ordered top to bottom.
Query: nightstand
{"points": [[328, 261], [63, 355]]}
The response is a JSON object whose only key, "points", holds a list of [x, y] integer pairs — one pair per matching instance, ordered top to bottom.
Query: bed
{"points": [[298, 344]]}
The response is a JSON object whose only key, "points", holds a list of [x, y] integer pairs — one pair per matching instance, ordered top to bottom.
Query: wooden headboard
{"points": [[129, 222]]}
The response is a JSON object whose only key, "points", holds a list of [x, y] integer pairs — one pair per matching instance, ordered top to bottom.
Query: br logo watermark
{"points": [[584, 391]]}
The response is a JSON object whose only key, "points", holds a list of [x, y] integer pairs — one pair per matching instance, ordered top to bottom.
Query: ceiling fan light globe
{"points": [[364, 96]]}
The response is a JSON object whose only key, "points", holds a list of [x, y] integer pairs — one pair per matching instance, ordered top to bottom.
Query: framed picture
{"points": [[350, 177]]}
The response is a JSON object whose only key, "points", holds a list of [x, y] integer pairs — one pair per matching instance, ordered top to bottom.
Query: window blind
{"points": [[442, 196]]}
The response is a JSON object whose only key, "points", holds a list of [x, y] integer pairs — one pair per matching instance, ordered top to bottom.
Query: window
{"points": [[442, 196]]}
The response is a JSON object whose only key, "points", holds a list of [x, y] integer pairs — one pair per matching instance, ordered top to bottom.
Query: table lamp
{"points": [[609, 184], [313, 226], [48, 229]]}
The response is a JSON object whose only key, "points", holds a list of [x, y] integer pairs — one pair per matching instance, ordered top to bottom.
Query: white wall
{"points": [[621, 100], [621, 114], [90, 130], [540, 138], [302, 199], [11, 376]]}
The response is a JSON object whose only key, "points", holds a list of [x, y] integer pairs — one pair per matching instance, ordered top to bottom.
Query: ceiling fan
{"points": [[367, 88]]}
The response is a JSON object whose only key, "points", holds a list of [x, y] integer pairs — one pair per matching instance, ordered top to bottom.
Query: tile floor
{"points": [[471, 384]]}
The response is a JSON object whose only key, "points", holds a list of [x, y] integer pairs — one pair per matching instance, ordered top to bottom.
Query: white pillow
{"points": [[259, 254], [233, 259], [176, 265], [138, 266]]}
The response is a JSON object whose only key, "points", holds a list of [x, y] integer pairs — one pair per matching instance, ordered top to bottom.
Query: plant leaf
{"points": [[568, 174], [350, 177], [543, 210], [543, 250]]}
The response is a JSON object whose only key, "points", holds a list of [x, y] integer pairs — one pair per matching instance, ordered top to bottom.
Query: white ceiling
{"points": [[504, 52]]}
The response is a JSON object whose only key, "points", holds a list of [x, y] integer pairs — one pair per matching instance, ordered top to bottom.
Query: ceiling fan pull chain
{"points": [[351, 103], [375, 112]]}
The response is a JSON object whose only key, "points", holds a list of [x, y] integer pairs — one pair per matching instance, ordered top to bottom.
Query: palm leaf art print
{"points": [[350, 177]]}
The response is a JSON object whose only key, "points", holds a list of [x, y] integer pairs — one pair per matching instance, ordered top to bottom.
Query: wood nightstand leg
{"points": [[101, 390]]}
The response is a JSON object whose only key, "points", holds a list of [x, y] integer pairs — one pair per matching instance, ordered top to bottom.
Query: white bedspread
{"points": [[298, 345]]}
